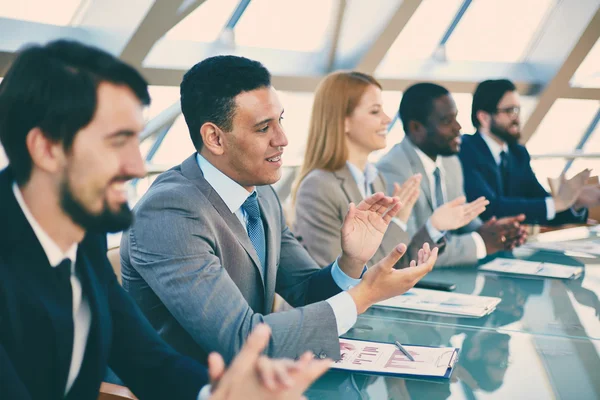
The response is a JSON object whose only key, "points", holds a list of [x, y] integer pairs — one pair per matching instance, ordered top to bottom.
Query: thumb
{"points": [[396, 189], [491, 221], [392, 258], [255, 344], [216, 367]]}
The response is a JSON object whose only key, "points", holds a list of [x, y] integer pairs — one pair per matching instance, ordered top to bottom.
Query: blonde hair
{"points": [[336, 97]]}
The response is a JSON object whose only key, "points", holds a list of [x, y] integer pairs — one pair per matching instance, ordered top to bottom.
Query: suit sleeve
{"points": [[501, 206], [319, 219], [181, 267], [147, 365], [10, 383]]}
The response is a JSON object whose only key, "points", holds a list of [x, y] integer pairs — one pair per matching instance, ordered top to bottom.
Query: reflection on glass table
{"points": [[568, 308], [493, 364]]}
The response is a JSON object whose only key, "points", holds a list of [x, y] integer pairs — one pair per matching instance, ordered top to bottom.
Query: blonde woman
{"points": [[347, 124]]}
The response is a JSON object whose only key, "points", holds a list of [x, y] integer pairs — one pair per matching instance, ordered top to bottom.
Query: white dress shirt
{"points": [[496, 149], [430, 166], [234, 196], [82, 316]]}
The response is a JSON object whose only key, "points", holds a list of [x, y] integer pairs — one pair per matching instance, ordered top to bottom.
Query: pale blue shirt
{"points": [[234, 196]]}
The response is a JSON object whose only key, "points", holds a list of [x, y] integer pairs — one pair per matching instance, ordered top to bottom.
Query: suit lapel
{"points": [[486, 160], [417, 167], [190, 170], [348, 185]]}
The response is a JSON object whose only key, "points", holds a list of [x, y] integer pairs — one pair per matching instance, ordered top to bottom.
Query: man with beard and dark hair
{"points": [[428, 113], [70, 119], [496, 166]]}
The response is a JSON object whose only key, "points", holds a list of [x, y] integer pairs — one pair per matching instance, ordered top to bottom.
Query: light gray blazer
{"points": [[399, 164], [321, 205], [191, 267]]}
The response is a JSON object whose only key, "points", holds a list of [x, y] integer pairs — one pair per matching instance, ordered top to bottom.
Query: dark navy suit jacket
{"points": [[523, 194], [31, 328]]}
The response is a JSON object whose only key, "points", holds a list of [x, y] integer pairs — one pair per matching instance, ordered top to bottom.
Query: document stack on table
{"points": [[586, 246], [532, 269], [437, 302], [388, 359]]}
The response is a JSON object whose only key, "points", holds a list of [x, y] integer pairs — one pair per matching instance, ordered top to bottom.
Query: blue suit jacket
{"points": [[524, 194], [31, 328]]}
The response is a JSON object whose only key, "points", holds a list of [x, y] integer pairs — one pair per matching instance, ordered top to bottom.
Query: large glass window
{"points": [[55, 12], [205, 23], [285, 24], [499, 31], [588, 73]]}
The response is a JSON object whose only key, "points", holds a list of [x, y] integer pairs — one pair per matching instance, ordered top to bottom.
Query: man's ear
{"points": [[484, 118], [417, 131], [212, 138], [45, 153]]}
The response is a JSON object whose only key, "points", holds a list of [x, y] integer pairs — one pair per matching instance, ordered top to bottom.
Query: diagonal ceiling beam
{"points": [[162, 16], [388, 35], [335, 36], [559, 84]]}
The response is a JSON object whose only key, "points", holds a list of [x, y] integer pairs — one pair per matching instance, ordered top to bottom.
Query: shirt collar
{"points": [[494, 147], [428, 164], [369, 175], [232, 193], [53, 252]]}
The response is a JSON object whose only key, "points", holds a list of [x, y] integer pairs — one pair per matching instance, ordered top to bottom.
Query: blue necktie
{"points": [[439, 194], [256, 231]]}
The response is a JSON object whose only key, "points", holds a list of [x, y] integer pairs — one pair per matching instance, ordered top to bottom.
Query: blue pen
{"points": [[404, 351]]}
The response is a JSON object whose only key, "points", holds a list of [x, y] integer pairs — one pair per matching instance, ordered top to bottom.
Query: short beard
{"points": [[503, 133], [105, 222]]}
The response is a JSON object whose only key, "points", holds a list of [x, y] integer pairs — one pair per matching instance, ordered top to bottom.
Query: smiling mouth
{"points": [[274, 159]]}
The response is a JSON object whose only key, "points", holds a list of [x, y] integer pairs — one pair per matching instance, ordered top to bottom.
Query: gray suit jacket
{"points": [[399, 164], [321, 205], [191, 267]]}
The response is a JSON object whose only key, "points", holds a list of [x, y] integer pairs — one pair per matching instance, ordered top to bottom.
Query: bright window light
{"points": [[55, 12], [205, 23], [588, 73]]}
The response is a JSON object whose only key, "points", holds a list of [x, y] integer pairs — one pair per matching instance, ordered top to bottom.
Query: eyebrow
{"points": [[265, 121], [125, 133]]}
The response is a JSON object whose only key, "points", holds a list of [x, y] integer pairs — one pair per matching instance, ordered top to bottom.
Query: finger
{"points": [[396, 189], [370, 200], [458, 201], [384, 204], [392, 212], [491, 221], [420, 257], [392, 258], [413, 263], [420, 270], [255, 344], [216, 367], [282, 368], [315, 369], [266, 373]]}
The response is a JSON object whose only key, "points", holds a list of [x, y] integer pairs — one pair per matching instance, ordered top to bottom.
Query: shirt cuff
{"points": [[550, 209], [579, 213], [400, 223], [434, 234], [479, 245], [341, 279], [344, 309], [204, 393]]}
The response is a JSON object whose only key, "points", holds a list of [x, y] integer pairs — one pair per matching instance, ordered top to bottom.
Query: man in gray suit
{"points": [[432, 141], [209, 247]]}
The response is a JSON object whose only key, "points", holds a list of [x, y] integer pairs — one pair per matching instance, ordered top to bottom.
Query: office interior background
{"points": [[549, 48]]}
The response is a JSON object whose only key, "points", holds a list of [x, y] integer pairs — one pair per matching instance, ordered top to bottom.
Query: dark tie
{"points": [[504, 173], [439, 194], [256, 231], [65, 315]]}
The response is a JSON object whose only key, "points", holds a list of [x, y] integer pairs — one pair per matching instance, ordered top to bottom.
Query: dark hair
{"points": [[53, 87], [209, 88], [487, 96], [417, 102]]}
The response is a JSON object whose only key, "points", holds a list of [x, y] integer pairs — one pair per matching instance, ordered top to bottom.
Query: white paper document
{"points": [[588, 246], [532, 268], [438, 302], [386, 359]]}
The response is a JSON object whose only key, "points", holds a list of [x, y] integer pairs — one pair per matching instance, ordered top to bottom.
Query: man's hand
{"points": [[565, 192], [408, 194], [589, 197], [456, 214], [363, 230], [502, 234], [382, 281], [254, 376]]}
